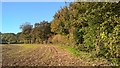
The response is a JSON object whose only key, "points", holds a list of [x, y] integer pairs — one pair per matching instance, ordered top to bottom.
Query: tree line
{"points": [[92, 27], [29, 35]]}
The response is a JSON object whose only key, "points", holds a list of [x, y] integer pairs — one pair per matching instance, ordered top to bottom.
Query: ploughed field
{"points": [[42, 55]]}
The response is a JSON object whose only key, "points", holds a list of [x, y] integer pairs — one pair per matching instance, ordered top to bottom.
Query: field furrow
{"points": [[39, 55]]}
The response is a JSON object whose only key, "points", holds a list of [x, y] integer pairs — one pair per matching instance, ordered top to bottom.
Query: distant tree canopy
{"points": [[92, 27], [41, 32], [25, 34], [38, 34], [8, 38]]}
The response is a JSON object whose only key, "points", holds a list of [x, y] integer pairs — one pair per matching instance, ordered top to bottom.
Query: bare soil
{"points": [[39, 55]]}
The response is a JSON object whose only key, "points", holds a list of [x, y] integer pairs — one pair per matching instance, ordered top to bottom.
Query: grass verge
{"points": [[74, 51], [85, 57]]}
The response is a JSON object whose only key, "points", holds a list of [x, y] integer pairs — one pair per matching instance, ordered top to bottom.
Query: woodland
{"points": [[92, 27]]}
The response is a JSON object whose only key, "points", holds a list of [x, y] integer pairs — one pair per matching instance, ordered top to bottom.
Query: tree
{"points": [[58, 25], [26, 30], [41, 32]]}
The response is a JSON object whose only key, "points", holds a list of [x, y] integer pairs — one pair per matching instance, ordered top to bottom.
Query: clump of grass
{"points": [[27, 46], [72, 50], [75, 52]]}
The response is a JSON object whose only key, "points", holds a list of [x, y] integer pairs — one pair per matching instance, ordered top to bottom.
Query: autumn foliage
{"points": [[92, 27]]}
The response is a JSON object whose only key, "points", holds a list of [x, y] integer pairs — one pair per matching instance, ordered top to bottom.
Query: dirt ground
{"points": [[39, 55]]}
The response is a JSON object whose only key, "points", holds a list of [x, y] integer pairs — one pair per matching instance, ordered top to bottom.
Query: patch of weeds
{"points": [[28, 45], [71, 50], [86, 57], [114, 61]]}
